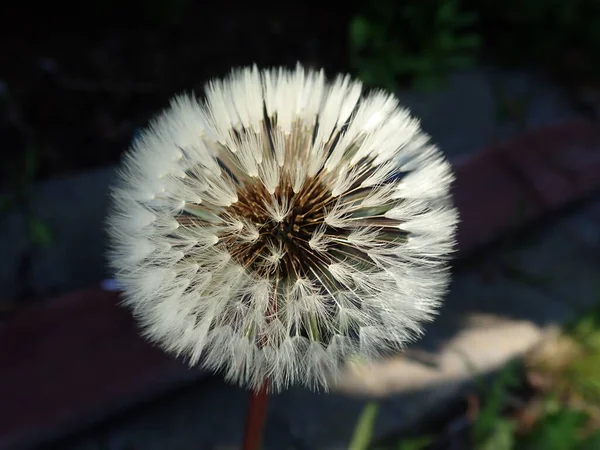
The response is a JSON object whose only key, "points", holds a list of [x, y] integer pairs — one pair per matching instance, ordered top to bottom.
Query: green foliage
{"points": [[419, 42], [586, 329], [583, 373], [491, 429], [559, 429], [591, 442]]}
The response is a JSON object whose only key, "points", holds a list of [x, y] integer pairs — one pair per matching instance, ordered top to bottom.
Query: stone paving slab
{"points": [[465, 115]]}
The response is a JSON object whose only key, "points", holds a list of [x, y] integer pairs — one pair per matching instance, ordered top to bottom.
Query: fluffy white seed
{"points": [[281, 226]]}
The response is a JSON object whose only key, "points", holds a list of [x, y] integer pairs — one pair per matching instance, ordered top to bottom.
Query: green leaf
{"points": [[40, 233], [586, 329], [582, 375], [557, 431], [363, 432], [501, 438], [591, 442], [419, 443]]}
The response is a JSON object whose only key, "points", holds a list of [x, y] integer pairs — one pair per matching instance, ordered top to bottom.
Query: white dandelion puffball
{"points": [[282, 226]]}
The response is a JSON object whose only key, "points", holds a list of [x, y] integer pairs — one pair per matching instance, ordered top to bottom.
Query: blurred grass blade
{"points": [[364, 428]]}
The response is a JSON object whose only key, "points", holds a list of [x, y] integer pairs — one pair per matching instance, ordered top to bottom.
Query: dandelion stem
{"points": [[255, 417]]}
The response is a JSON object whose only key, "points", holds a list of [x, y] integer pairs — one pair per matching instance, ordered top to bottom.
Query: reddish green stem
{"points": [[255, 418]]}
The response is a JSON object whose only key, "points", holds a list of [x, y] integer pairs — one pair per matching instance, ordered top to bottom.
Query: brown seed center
{"points": [[282, 247]]}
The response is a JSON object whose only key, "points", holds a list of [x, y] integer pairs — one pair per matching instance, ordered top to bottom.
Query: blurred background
{"points": [[77, 82]]}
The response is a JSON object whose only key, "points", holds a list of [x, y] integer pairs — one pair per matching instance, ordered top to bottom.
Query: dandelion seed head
{"points": [[281, 226]]}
